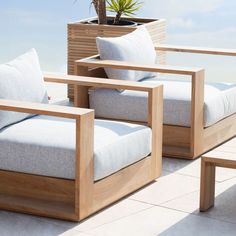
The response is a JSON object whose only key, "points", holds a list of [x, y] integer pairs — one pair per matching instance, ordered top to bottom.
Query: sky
{"points": [[43, 25]]}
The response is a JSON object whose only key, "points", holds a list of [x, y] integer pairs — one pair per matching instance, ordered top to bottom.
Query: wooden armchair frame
{"points": [[180, 142], [77, 199]]}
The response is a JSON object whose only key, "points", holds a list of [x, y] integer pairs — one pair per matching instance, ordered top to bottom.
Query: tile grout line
{"points": [[182, 174], [196, 177], [219, 182], [176, 198], [153, 204], [192, 213], [118, 219]]}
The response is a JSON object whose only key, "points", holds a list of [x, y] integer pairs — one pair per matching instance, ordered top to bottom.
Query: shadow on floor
{"points": [[172, 165], [219, 220]]}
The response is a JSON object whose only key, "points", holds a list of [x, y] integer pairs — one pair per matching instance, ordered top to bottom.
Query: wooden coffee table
{"points": [[222, 156]]}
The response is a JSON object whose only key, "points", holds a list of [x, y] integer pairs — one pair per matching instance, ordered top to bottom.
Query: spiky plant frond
{"points": [[123, 7]]}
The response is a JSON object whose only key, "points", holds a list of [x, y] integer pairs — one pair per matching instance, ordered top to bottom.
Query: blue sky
{"points": [[42, 24]]}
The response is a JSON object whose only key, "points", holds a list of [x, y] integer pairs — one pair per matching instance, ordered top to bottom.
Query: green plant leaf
{"points": [[123, 7]]}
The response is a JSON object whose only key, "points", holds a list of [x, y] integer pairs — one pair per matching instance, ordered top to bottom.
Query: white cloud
{"points": [[190, 6], [177, 8], [30, 18], [181, 22], [220, 38]]}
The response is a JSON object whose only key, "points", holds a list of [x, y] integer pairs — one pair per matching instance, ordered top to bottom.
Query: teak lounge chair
{"points": [[182, 139], [60, 162]]}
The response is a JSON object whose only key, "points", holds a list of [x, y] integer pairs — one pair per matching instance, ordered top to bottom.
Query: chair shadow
{"points": [[172, 165]]}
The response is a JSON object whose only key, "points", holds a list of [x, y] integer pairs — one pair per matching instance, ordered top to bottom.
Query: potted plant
{"points": [[82, 34]]}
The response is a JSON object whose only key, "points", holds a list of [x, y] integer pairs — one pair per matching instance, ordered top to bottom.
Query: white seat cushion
{"points": [[22, 80], [220, 102], [45, 145]]}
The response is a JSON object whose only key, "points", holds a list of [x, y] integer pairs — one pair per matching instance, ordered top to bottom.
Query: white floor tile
{"points": [[169, 186], [224, 209], [118, 211], [112, 213], [160, 221], [73, 232]]}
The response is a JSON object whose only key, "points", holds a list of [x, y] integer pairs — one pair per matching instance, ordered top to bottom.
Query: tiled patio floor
{"points": [[169, 206]]}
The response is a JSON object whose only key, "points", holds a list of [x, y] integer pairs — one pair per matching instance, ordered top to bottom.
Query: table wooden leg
{"points": [[207, 188]]}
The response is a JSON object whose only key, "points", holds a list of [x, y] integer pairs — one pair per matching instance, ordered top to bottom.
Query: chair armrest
{"points": [[199, 50], [168, 69], [98, 82], [153, 90], [43, 109]]}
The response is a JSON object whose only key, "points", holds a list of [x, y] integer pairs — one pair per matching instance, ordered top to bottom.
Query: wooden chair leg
{"points": [[207, 188]]}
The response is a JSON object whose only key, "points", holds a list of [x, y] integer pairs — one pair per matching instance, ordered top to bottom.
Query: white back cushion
{"points": [[136, 47], [21, 80]]}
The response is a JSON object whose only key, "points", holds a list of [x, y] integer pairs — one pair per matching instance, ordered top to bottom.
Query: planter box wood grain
{"points": [[82, 39]]}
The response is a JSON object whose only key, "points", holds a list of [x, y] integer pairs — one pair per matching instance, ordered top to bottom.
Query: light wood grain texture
{"points": [[82, 39], [199, 50], [96, 62], [97, 82], [81, 98], [42, 109], [197, 114], [155, 122], [220, 132], [177, 134], [176, 141], [222, 156], [84, 165], [122, 183], [47, 188], [207, 188], [37, 195], [77, 199], [37, 207]]}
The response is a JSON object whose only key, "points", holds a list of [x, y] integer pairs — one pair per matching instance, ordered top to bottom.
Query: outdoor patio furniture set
{"points": [[70, 162]]}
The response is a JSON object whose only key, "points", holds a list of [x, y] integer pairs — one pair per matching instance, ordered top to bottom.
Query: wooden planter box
{"points": [[82, 39]]}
